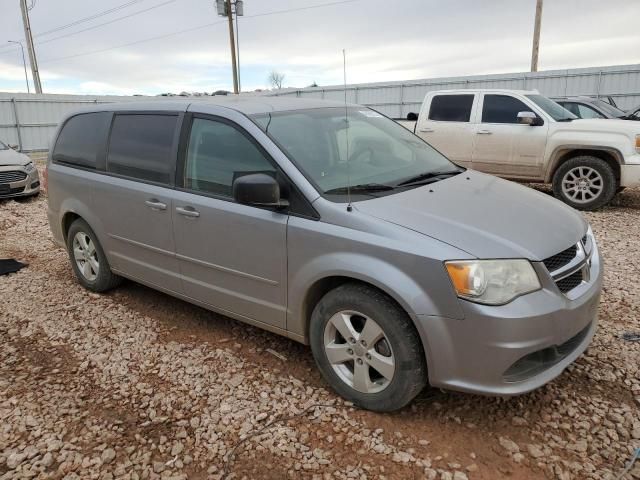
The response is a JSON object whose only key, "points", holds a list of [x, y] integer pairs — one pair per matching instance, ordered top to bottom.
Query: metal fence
{"points": [[396, 99], [30, 120]]}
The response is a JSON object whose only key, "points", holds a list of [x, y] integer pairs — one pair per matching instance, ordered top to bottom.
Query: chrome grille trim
{"points": [[12, 176], [579, 265]]}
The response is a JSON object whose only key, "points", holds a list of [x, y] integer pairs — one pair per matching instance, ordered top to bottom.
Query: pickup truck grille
{"points": [[12, 176]]}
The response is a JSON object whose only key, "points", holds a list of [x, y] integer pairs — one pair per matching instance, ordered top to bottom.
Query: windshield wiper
{"points": [[427, 177], [364, 187]]}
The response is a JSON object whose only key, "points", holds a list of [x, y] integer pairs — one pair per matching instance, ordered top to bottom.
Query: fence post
{"points": [[599, 82], [401, 99], [15, 115]]}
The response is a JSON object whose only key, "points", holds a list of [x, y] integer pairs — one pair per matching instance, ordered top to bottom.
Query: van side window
{"points": [[451, 108], [502, 109], [82, 139], [141, 146], [217, 154]]}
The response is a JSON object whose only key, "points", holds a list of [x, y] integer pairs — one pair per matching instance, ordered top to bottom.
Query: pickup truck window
{"points": [[451, 108], [502, 109], [553, 109]]}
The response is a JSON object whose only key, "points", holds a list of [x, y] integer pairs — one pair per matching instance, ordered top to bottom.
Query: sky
{"points": [[154, 46]]}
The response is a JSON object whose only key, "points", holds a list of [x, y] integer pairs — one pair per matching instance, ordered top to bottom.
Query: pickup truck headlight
{"points": [[638, 143], [492, 282]]}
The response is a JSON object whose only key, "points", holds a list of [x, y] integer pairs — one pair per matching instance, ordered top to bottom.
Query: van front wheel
{"points": [[585, 182], [367, 348]]}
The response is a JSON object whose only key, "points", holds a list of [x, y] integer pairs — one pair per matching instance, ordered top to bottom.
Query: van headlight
{"points": [[492, 282]]}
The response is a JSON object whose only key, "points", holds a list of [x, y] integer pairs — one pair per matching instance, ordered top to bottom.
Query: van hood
{"points": [[11, 157], [483, 215]]}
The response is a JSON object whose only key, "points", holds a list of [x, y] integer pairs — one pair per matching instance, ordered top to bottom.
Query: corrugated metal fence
{"points": [[396, 99], [29, 120]]}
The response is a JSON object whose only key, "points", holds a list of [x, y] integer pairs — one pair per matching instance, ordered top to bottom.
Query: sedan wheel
{"points": [[359, 352]]}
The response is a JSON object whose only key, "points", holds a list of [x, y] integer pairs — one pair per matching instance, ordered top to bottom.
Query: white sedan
{"points": [[18, 175]]}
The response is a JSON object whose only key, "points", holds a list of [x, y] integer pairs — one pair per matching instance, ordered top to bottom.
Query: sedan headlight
{"points": [[29, 167], [492, 282]]}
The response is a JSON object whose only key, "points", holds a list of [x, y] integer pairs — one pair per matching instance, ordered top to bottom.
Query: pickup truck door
{"points": [[445, 123], [504, 147]]}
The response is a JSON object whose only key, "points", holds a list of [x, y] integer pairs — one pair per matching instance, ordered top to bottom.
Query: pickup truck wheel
{"points": [[585, 183], [88, 260], [367, 348]]}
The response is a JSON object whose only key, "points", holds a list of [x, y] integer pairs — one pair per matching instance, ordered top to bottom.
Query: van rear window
{"points": [[82, 139], [141, 146]]}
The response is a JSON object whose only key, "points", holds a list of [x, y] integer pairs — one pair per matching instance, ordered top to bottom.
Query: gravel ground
{"points": [[135, 384]]}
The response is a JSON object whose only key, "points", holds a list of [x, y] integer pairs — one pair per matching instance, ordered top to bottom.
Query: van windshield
{"points": [[553, 109], [368, 152]]}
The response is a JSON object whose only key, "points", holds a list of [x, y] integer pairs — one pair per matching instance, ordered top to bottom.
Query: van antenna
{"points": [[346, 119]]}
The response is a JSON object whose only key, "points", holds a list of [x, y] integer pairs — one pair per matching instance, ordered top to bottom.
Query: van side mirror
{"points": [[412, 117], [529, 118], [259, 190]]}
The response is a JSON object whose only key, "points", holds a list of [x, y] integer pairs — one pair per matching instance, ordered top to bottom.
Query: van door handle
{"points": [[427, 130], [484, 132], [155, 204], [188, 212]]}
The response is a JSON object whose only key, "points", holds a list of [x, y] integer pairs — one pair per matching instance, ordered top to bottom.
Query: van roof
{"points": [[247, 105]]}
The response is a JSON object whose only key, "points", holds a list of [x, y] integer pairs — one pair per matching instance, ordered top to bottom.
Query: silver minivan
{"points": [[336, 227]]}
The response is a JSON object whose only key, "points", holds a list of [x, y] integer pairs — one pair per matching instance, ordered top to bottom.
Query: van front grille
{"points": [[12, 176], [561, 259], [570, 282]]}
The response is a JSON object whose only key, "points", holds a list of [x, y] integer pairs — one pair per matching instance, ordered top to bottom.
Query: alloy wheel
{"points": [[582, 184], [86, 256], [359, 351]]}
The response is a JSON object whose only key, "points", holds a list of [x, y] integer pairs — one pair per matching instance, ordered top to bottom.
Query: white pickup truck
{"points": [[525, 136]]}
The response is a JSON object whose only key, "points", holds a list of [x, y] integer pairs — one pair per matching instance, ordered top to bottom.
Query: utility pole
{"points": [[536, 37], [233, 47], [30, 48], [24, 63]]}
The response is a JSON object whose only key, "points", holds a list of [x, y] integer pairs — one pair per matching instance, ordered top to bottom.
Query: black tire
{"points": [[609, 182], [105, 278], [410, 375]]}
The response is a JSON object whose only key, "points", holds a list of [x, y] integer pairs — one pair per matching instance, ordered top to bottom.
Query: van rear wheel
{"points": [[585, 182], [88, 260], [367, 348]]}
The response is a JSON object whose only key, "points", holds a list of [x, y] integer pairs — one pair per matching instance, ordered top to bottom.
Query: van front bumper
{"points": [[17, 181], [514, 348]]}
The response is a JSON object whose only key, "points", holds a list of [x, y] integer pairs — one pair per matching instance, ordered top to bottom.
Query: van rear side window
{"points": [[451, 108], [82, 139], [141, 146]]}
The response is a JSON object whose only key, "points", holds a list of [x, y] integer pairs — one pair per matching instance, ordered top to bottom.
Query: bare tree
{"points": [[275, 79]]}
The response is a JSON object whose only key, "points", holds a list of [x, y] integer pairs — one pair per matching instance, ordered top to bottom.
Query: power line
{"points": [[288, 10], [90, 17], [84, 20], [105, 23], [179, 32], [158, 37]]}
